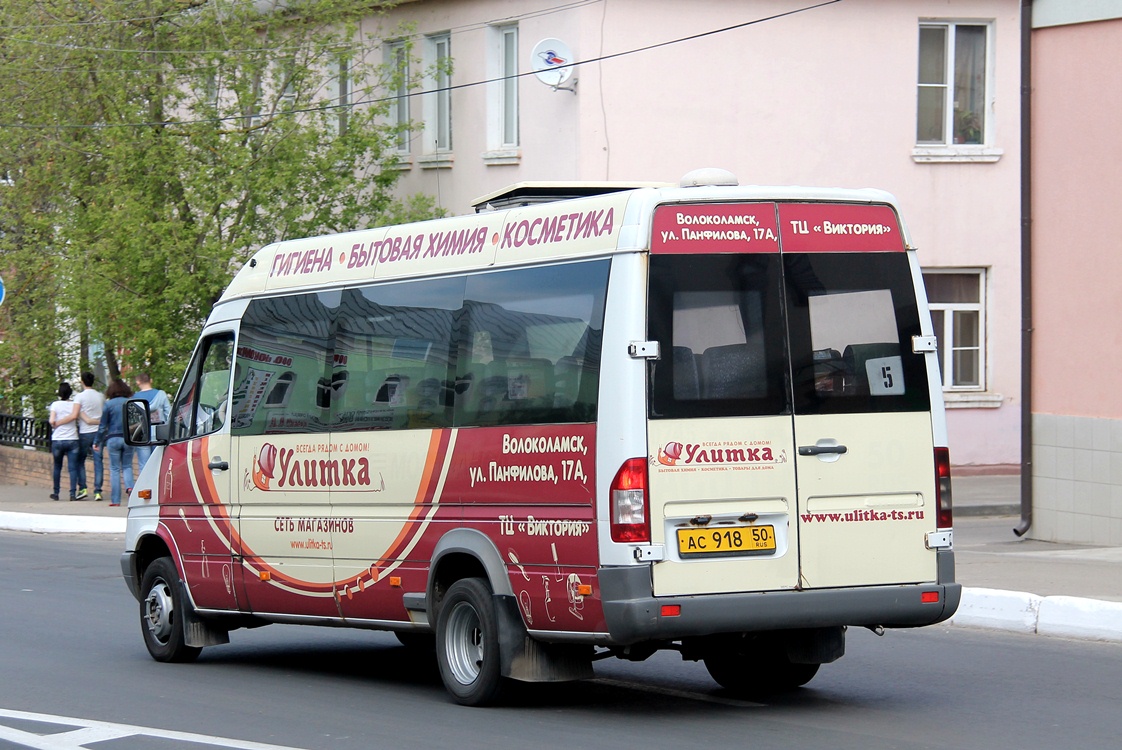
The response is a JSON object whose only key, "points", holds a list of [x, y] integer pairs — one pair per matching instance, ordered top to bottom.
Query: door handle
{"points": [[818, 450], [219, 464]]}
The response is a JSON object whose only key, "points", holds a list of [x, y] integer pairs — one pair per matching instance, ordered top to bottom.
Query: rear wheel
{"points": [[161, 614], [467, 643], [756, 667], [749, 677]]}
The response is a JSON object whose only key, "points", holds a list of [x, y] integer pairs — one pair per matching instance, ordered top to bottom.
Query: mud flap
{"points": [[198, 632], [815, 645], [528, 660]]}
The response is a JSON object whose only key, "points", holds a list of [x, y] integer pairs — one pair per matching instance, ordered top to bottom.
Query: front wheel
{"points": [[161, 614], [467, 643]]}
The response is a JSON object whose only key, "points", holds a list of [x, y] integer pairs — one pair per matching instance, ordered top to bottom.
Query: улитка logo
{"points": [[726, 453], [669, 454], [264, 464], [306, 474]]}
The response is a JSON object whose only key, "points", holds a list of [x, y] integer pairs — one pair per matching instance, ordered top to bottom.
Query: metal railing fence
{"points": [[26, 432]]}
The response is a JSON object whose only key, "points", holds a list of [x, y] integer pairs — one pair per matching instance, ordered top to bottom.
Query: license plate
{"points": [[728, 540]]}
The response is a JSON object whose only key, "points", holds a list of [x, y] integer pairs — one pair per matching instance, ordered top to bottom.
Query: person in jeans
{"points": [[159, 408], [89, 416], [111, 434], [64, 438]]}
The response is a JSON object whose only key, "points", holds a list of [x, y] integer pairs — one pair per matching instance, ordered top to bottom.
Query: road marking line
{"points": [[88, 731]]}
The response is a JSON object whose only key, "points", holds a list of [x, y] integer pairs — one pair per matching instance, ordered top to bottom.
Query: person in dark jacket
{"points": [[111, 434]]}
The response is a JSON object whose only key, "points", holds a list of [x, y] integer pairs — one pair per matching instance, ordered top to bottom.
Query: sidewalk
{"points": [[29, 508], [1009, 583]]}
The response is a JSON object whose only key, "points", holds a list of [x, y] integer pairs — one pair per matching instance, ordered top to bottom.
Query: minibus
{"points": [[589, 420]]}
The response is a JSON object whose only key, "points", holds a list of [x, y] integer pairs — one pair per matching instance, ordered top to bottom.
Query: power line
{"points": [[423, 92]]}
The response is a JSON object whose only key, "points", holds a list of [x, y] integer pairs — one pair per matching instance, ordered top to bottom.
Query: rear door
{"points": [[789, 428], [722, 453], [865, 456]]}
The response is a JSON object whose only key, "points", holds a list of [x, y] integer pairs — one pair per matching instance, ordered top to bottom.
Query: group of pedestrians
{"points": [[85, 424]]}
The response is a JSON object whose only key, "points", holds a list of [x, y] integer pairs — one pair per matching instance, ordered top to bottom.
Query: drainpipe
{"points": [[1026, 269]]}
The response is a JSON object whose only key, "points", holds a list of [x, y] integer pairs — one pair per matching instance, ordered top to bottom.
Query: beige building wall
{"points": [[825, 97], [1077, 275]]}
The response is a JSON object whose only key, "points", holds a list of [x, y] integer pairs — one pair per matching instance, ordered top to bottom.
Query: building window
{"points": [[398, 63], [953, 97], [503, 99], [438, 103], [251, 108], [958, 311]]}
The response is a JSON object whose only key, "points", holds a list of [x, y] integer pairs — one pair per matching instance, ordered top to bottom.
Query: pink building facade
{"points": [[917, 97], [1077, 272]]}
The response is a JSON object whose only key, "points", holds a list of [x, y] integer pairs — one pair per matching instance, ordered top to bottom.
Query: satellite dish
{"points": [[552, 62]]}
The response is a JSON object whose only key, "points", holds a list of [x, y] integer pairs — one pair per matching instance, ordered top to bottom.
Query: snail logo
{"points": [[669, 454], [263, 466]]}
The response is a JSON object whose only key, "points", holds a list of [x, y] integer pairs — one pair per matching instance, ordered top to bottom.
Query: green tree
{"points": [[149, 147]]}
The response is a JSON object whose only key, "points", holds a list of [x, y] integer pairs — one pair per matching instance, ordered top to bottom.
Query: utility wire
{"points": [[423, 92]]}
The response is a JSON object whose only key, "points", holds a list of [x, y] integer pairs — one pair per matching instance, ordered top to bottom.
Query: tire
{"points": [[161, 618], [467, 644], [757, 668], [748, 677]]}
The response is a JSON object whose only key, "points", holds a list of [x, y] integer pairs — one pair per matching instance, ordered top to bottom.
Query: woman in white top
{"points": [[64, 437]]}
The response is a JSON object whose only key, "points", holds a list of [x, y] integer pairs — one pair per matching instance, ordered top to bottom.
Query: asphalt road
{"points": [[70, 646]]}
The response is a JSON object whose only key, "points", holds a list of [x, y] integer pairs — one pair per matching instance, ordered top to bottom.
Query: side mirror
{"points": [[138, 427]]}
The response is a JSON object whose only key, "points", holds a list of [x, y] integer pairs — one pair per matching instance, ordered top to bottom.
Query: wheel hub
{"points": [[158, 611], [466, 643]]}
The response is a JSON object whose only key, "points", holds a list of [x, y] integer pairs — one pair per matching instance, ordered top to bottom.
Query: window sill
{"points": [[964, 154], [502, 157], [443, 160], [402, 162], [972, 400]]}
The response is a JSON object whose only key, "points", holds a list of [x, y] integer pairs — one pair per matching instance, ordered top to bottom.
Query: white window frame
{"points": [[397, 60], [342, 92], [337, 94], [286, 101], [437, 107], [503, 138], [948, 150], [947, 346]]}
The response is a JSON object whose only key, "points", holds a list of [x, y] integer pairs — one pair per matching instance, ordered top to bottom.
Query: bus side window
{"points": [[201, 406]]}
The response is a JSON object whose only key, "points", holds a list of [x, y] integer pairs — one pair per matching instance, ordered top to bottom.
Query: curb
{"points": [[47, 524], [1016, 611]]}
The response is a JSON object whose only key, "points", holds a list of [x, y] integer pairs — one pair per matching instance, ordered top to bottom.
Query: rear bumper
{"points": [[633, 615]]}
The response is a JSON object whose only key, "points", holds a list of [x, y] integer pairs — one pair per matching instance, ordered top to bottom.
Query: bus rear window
{"points": [[852, 317], [718, 322]]}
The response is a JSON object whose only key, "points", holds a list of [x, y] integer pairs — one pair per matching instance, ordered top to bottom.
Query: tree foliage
{"points": [[149, 147]]}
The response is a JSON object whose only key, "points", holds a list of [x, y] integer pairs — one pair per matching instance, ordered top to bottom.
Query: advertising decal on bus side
{"points": [[495, 473]]}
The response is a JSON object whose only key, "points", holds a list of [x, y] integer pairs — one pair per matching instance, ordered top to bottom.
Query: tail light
{"points": [[630, 509], [945, 514]]}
